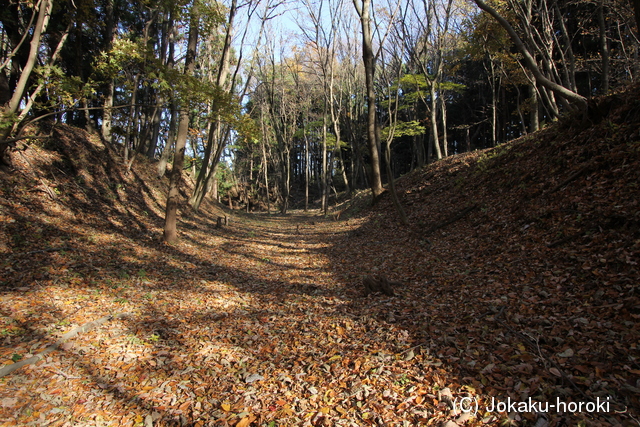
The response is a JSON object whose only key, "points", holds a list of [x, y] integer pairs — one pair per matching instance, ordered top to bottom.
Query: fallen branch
{"points": [[577, 174], [453, 219], [6, 370]]}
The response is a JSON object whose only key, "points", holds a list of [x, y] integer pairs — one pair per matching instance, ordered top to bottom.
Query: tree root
{"points": [[451, 220]]}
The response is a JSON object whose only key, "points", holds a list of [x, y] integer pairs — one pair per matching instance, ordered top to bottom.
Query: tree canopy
{"points": [[298, 101]]}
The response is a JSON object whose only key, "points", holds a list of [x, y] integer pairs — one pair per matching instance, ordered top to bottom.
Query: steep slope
{"points": [[71, 187], [521, 264]]}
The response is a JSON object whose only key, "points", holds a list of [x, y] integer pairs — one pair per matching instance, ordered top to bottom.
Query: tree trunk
{"points": [[44, 13], [604, 48], [568, 58], [32, 97], [572, 97], [494, 106], [443, 111], [107, 114], [534, 118], [335, 120], [434, 121], [155, 129], [129, 137], [214, 141], [168, 146], [306, 170], [266, 175], [324, 178], [375, 179], [286, 181], [392, 184], [199, 189], [199, 194], [170, 225]]}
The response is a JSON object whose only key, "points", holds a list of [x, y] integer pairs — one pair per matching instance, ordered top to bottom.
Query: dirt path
{"points": [[264, 323], [248, 325]]}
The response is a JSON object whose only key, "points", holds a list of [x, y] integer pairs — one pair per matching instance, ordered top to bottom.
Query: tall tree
{"points": [[43, 8], [363, 8], [109, 34], [391, 75], [226, 81], [578, 100], [215, 141], [171, 214]]}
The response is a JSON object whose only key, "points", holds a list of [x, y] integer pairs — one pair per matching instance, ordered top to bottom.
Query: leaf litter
{"points": [[532, 294]]}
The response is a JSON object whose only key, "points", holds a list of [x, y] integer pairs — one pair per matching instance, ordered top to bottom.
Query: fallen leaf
{"points": [[567, 353], [254, 377], [8, 402], [246, 421]]}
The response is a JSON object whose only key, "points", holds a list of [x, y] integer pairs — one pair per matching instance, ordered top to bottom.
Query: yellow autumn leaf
{"points": [[226, 407], [324, 410], [246, 421]]}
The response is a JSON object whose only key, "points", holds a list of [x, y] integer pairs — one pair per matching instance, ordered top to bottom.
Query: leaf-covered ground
{"points": [[519, 281]]}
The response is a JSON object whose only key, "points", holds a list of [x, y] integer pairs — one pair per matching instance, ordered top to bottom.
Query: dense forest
{"points": [[277, 104]]}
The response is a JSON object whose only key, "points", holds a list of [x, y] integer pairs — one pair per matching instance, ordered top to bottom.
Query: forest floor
{"points": [[519, 284]]}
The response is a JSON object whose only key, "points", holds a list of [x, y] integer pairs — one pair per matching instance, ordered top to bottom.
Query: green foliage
{"points": [[212, 15], [486, 39], [123, 56], [414, 82], [418, 84], [452, 87], [415, 88], [63, 89], [7, 121], [246, 127], [411, 128], [331, 141], [486, 160], [224, 177]]}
